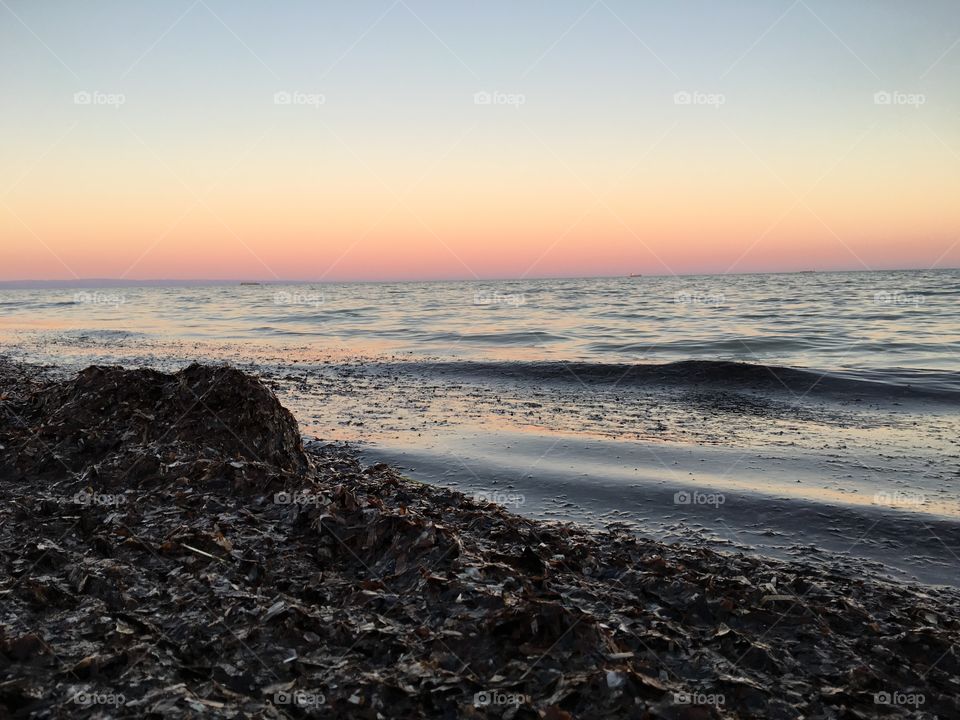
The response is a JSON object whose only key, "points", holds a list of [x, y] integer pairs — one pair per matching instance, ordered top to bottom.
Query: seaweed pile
{"points": [[110, 423], [171, 548]]}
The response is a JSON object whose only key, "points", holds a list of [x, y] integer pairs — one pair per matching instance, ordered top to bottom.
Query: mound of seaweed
{"points": [[118, 426], [349, 591]]}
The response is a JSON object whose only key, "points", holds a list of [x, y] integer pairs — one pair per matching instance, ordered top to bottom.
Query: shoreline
{"points": [[933, 387], [856, 479], [599, 483], [367, 593]]}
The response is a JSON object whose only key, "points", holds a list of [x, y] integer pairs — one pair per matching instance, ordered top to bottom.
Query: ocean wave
{"points": [[37, 305], [325, 315], [103, 333], [502, 338], [756, 344], [895, 382]]}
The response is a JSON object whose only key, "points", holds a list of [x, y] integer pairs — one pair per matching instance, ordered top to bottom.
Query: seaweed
{"points": [[171, 547]]}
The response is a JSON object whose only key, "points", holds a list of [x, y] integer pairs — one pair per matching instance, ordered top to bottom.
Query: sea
{"points": [[885, 324]]}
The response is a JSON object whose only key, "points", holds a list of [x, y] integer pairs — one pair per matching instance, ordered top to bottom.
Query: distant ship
{"points": [[635, 275], [251, 283]]}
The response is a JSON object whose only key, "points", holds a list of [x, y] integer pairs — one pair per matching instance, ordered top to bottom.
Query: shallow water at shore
{"points": [[779, 504]]}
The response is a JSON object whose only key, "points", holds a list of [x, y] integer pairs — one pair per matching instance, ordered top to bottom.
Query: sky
{"points": [[442, 139]]}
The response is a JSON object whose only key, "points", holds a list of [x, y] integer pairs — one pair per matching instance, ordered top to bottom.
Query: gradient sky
{"points": [[400, 174]]}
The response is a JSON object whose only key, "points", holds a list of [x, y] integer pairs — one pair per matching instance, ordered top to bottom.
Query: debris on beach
{"points": [[114, 425], [170, 547]]}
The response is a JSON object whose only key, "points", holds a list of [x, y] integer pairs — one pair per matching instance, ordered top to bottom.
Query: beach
{"points": [[173, 547]]}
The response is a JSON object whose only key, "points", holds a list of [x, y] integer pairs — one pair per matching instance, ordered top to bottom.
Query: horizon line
{"points": [[134, 282]]}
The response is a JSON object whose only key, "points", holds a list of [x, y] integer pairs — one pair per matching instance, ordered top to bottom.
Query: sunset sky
{"points": [[345, 140]]}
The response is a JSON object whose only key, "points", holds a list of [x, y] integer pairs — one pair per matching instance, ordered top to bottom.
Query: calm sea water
{"points": [[877, 322]]}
